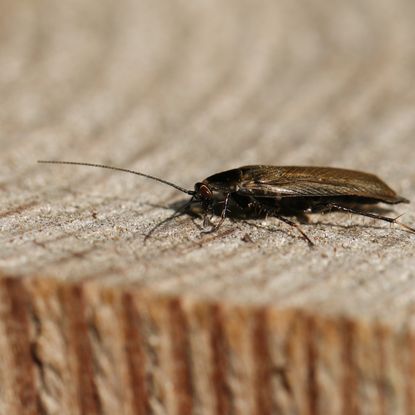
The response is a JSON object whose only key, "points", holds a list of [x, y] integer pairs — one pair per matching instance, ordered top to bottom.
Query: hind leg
{"points": [[372, 215]]}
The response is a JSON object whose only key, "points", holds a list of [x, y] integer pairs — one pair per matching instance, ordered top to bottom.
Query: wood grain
{"points": [[249, 320]]}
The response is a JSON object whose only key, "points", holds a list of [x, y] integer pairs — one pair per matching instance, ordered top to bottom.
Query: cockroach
{"points": [[281, 191]]}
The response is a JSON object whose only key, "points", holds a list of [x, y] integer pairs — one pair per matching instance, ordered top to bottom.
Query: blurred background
{"points": [[186, 88]]}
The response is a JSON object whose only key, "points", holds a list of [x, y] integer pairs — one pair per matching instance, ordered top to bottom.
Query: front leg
{"points": [[222, 216]]}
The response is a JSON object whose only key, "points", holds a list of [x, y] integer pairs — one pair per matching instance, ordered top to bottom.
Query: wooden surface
{"points": [[94, 321]]}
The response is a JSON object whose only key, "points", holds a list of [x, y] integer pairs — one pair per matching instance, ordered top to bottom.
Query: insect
{"points": [[281, 191]]}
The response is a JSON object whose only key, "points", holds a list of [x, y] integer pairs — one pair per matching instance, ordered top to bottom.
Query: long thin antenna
{"points": [[103, 166]]}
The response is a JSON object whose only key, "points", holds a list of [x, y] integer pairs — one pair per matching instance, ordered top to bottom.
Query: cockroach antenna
{"points": [[104, 166]]}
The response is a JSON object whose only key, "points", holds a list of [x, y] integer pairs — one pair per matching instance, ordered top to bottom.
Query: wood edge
{"points": [[267, 359]]}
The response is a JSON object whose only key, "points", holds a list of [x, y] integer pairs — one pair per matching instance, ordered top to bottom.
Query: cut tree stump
{"points": [[248, 320]]}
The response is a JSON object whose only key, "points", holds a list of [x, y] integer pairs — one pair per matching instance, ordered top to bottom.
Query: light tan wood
{"points": [[249, 320]]}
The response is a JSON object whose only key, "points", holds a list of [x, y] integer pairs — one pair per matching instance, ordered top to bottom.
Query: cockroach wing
{"points": [[297, 181]]}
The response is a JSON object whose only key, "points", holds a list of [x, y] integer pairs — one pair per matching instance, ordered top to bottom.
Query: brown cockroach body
{"points": [[282, 191]]}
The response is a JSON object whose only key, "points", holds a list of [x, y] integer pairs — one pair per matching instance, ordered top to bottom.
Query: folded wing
{"points": [[297, 181]]}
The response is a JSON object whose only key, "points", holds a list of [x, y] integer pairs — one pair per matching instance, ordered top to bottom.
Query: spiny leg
{"points": [[275, 212], [373, 215], [222, 216], [295, 225]]}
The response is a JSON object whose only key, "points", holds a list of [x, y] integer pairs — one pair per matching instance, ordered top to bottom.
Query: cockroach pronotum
{"points": [[281, 191]]}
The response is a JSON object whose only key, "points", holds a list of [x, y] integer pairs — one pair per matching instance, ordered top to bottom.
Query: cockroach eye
{"points": [[204, 191]]}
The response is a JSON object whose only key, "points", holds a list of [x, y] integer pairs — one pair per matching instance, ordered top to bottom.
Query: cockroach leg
{"points": [[181, 211], [223, 213], [373, 215], [222, 216], [206, 222], [160, 224], [295, 225]]}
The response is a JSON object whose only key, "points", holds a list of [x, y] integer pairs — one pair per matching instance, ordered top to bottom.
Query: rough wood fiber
{"points": [[247, 321]]}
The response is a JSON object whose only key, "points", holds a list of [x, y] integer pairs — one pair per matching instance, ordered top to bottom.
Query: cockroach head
{"points": [[203, 193]]}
